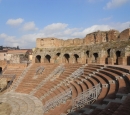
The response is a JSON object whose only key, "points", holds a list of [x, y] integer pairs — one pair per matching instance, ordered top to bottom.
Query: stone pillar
{"points": [[42, 59], [72, 59], [33, 60], [51, 60], [89, 60], [101, 60], [111, 61], [122, 61]]}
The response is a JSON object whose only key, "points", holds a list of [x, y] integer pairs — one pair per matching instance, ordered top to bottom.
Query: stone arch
{"points": [[58, 54], [118, 54], [95, 55], [108, 55], [67, 56], [76, 56], [57, 57], [38, 59], [47, 59], [128, 60], [0, 70]]}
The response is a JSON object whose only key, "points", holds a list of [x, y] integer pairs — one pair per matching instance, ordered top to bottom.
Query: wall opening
{"points": [[106, 37], [58, 54], [118, 54], [108, 55], [67, 56], [76, 56], [95, 57], [47, 58], [57, 58], [38, 59], [128, 60], [0, 70]]}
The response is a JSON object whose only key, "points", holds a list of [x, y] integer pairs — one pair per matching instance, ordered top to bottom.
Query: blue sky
{"points": [[22, 21]]}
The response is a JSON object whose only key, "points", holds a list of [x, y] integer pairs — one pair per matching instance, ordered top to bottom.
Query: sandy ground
{"points": [[5, 109]]}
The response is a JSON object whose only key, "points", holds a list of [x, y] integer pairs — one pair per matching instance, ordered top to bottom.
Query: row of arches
{"points": [[47, 58], [66, 58]]}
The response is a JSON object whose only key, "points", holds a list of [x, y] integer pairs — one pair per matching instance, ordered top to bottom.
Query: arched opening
{"points": [[58, 54], [118, 54], [108, 55], [67, 56], [87, 56], [95, 57], [47, 58], [57, 58], [76, 58], [38, 59], [128, 60], [0, 70]]}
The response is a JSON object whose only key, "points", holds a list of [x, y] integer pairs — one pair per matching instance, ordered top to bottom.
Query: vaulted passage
{"points": [[118, 54], [108, 55], [67, 56], [76, 56], [95, 57], [38, 59], [47, 59], [128, 60], [0, 70]]}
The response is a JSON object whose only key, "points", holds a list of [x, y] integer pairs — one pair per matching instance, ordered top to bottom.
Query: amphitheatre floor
{"points": [[20, 104]]}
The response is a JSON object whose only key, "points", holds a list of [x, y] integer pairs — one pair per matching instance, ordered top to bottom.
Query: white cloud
{"points": [[115, 3], [106, 19], [14, 22], [30, 26], [121, 26], [55, 27], [91, 29], [9, 40], [29, 40]]}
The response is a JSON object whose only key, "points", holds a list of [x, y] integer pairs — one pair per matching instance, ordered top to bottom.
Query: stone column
{"points": [[42, 59], [33, 60], [89, 60], [101, 60], [111, 61], [122, 61]]}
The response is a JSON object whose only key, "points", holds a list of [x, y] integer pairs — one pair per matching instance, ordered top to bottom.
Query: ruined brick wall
{"points": [[112, 35], [125, 35], [90, 39]]}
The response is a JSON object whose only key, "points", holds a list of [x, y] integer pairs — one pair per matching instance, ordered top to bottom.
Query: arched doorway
{"points": [[118, 54], [108, 55], [67, 56], [76, 56], [87, 56], [95, 57], [57, 58], [38, 59], [47, 59], [128, 60], [0, 70]]}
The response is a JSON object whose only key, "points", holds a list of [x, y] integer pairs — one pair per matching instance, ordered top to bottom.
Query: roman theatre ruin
{"points": [[80, 76]]}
